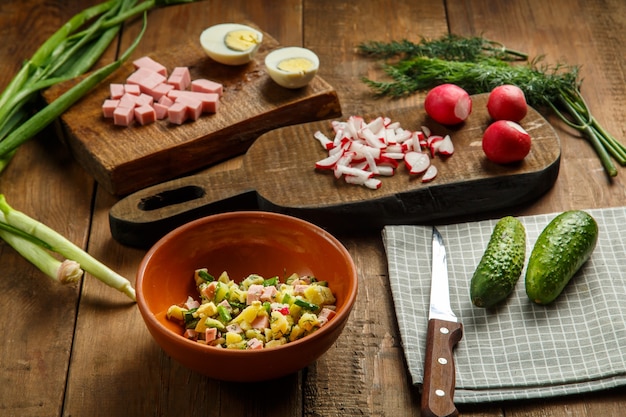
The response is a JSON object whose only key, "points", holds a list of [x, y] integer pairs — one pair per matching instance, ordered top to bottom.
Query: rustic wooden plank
{"points": [[43, 181], [118, 369]]}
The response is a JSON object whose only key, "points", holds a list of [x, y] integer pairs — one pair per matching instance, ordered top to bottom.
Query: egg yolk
{"points": [[240, 40], [295, 65]]}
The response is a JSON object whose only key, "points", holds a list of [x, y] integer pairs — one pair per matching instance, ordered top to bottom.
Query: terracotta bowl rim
{"points": [[154, 324]]}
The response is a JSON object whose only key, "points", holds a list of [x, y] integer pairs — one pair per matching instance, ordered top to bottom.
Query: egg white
{"points": [[212, 40], [291, 79]]}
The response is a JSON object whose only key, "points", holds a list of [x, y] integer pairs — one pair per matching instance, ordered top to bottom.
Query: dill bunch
{"points": [[449, 47], [478, 65], [541, 84]]}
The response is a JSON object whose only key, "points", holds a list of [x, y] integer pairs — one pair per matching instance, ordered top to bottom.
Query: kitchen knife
{"points": [[444, 332]]}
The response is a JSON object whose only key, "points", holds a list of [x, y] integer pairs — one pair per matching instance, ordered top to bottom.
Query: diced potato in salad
{"points": [[256, 313]]}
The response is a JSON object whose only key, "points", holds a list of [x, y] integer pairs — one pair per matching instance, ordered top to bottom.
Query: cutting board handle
{"points": [[142, 218]]}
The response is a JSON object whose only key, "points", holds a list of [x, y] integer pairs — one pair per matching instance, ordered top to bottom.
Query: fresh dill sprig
{"points": [[448, 47], [479, 65]]}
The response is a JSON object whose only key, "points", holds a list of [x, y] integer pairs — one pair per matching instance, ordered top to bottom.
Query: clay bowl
{"points": [[242, 243]]}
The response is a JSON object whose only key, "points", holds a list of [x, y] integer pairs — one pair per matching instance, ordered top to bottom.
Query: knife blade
{"points": [[444, 332]]}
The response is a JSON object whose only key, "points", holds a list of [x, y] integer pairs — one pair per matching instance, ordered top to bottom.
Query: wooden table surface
{"points": [[84, 351]]}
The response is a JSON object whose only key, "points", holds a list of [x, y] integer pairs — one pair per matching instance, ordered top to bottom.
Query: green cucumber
{"points": [[561, 249], [501, 265]]}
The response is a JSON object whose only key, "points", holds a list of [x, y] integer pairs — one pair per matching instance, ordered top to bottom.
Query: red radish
{"points": [[507, 102], [448, 104], [505, 142], [445, 146], [416, 162], [430, 174]]}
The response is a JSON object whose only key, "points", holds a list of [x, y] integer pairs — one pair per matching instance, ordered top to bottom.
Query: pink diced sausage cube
{"points": [[151, 64], [180, 78], [146, 79], [202, 85], [132, 89], [116, 90], [160, 90], [144, 99], [127, 100], [166, 101], [210, 101], [194, 106], [108, 107], [160, 110], [177, 113], [145, 114], [123, 116]]}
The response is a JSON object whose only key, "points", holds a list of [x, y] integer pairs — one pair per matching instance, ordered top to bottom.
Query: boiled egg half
{"points": [[231, 43], [292, 67]]}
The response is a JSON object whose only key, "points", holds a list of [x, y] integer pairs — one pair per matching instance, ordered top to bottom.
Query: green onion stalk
{"points": [[67, 55], [478, 65], [37, 242]]}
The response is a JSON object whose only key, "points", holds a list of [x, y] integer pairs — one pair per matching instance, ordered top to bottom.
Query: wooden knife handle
{"points": [[439, 371]]}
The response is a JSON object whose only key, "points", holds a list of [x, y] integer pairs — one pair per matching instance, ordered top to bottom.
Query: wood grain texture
{"points": [[85, 352]]}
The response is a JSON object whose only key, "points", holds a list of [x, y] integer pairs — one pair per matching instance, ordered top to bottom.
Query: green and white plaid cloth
{"points": [[518, 350]]}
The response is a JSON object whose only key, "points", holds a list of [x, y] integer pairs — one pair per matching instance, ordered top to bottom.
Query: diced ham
{"points": [[151, 64], [180, 78], [146, 79], [202, 85], [132, 89], [160, 90], [116, 91], [149, 95], [128, 100], [143, 100], [166, 101], [210, 101], [193, 105], [108, 107], [160, 111], [177, 113], [145, 114], [123, 116], [299, 289], [209, 291], [254, 293], [269, 293], [191, 303], [325, 315], [260, 322], [191, 334], [210, 334], [254, 344]]}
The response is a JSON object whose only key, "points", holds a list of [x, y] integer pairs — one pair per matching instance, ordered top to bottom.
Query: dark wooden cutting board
{"points": [[126, 159], [278, 174]]}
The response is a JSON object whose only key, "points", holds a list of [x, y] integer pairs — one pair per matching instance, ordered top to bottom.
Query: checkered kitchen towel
{"points": [[518, 350]]}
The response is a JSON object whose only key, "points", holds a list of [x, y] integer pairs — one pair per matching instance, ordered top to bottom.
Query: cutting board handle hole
{"points": [[171, 197]]}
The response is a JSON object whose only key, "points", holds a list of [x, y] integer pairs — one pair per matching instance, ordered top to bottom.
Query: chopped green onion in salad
{"points": [[256, 313]]}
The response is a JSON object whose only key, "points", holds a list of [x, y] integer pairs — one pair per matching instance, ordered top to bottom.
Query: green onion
{"points": [[70, 52], [478, 66], [38, 232], [64, 272], [305, 304]]}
